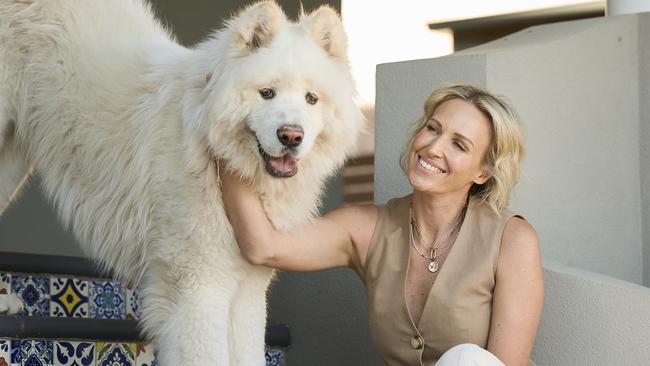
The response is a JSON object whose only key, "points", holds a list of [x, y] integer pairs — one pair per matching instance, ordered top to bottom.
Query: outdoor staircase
{"points": [[76, 315]]}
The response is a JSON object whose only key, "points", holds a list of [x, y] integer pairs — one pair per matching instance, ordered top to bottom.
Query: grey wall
{"points": [[576, 86], [579, 98], [644, 137], [31, 226], [326, 311]]}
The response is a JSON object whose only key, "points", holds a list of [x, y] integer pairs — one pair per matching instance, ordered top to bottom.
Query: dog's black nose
{"points": [[290, 135]]}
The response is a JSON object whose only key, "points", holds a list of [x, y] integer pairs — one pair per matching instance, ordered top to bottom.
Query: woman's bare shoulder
{"points": [[518, 230], [520, 246]]}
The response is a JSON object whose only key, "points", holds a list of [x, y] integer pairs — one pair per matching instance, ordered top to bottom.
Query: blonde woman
{"points": [[453, 277]]}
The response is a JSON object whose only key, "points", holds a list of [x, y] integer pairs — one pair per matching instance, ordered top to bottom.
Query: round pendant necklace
{"points": [[435, 248]]}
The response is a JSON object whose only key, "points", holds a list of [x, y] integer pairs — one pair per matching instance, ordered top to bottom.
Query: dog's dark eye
{"points": [[267, 93], [311, 98]]}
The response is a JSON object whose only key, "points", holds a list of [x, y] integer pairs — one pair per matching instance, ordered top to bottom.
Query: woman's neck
{"points": [[436, 214]]}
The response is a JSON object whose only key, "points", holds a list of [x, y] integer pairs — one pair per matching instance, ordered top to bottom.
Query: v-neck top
{"points": [[459, 305]]}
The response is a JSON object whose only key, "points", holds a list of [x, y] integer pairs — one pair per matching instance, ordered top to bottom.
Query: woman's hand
{"points": [[340, 238]]}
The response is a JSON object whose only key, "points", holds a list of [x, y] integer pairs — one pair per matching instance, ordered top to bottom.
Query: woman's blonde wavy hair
{"points": [[506, 151]]}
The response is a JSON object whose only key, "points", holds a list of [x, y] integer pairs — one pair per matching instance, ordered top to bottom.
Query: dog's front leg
{"points": [[248, 318], [188, 319]]}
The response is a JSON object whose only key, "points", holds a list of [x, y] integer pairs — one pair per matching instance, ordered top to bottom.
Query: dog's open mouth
{"points": [[284, 166]]}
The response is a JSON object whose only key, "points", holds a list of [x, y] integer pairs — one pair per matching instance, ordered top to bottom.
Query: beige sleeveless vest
{"points": [[459, 307]]}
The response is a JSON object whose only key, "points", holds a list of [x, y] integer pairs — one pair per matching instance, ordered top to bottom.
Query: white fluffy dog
{"points": [[124, 127]]}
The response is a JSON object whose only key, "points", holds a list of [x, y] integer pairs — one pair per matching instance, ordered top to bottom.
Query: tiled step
{"points": [[46, 295], [75, 315], [33, 352], [45, 352]]}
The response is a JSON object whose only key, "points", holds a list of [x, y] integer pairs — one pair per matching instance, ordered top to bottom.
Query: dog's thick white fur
{"points": [[125, 126]]}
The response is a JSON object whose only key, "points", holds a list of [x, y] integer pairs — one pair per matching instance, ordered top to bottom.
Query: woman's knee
{"points": [[468, 354]]}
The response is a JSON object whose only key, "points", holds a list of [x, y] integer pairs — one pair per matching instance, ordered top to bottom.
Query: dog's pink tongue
{"points": [[284, 164]]}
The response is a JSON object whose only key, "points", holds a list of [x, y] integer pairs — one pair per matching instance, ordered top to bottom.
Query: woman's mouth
{"points": [[429, 167]]}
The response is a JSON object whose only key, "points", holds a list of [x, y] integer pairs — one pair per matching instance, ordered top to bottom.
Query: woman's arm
{"points": [[340, 238], [518, 294]]}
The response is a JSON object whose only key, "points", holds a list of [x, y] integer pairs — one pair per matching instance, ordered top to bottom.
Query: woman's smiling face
{"points": [[447, 154]]}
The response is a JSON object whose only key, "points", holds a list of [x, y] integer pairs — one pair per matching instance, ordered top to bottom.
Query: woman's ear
{"points": [[483, 177]]}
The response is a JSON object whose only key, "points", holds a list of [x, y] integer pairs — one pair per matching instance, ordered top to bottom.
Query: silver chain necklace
{"points": [[433, 264]]}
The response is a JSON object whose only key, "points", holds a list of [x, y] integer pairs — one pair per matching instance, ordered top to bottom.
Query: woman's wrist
{"points": [[251, 226]]}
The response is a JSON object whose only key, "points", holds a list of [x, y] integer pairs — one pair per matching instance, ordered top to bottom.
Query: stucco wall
{"points": [[576, 88], [591, 319]]}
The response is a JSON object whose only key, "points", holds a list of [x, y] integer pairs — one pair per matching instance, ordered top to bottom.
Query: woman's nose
{"points": [[436, 147]]}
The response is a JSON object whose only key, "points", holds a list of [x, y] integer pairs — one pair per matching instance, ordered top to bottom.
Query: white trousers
{"points": [[468, 354]]}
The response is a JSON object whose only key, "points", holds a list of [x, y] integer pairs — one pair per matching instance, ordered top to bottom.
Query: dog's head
{"points": [[279, 94]]}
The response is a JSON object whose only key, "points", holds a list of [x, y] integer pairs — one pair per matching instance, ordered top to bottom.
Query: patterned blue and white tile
{"points": [[34, 290], [68, 297], [107, 300], [133, 302], [14, 347], [14, 350], [5, 352], [31, 353], [74, 353], [115, 354], [145, 355], [274, 357]]}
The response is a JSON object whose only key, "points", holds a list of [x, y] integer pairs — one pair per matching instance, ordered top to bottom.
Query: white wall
{"points": [[576, 86]]}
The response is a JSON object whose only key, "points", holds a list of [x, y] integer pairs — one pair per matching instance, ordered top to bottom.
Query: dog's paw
{"points": [[10, 304]]}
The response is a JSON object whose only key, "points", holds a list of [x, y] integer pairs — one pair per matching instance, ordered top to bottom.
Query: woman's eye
{"points": [[267, 93], [311, 98], [432, 128], [459, 146]]}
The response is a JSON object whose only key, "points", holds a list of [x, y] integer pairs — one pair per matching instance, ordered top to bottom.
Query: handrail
{"points": [[52, 264], [22, 327]]}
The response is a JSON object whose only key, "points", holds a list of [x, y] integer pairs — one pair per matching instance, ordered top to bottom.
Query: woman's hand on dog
{"points": [[340, 238]]}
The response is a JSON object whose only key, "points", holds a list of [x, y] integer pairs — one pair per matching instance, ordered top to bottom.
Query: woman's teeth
{"points": [[429, 167]]}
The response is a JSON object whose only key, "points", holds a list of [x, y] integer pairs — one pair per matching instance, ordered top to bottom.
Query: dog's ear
{"points": [[256, 25], [325, 28]]}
